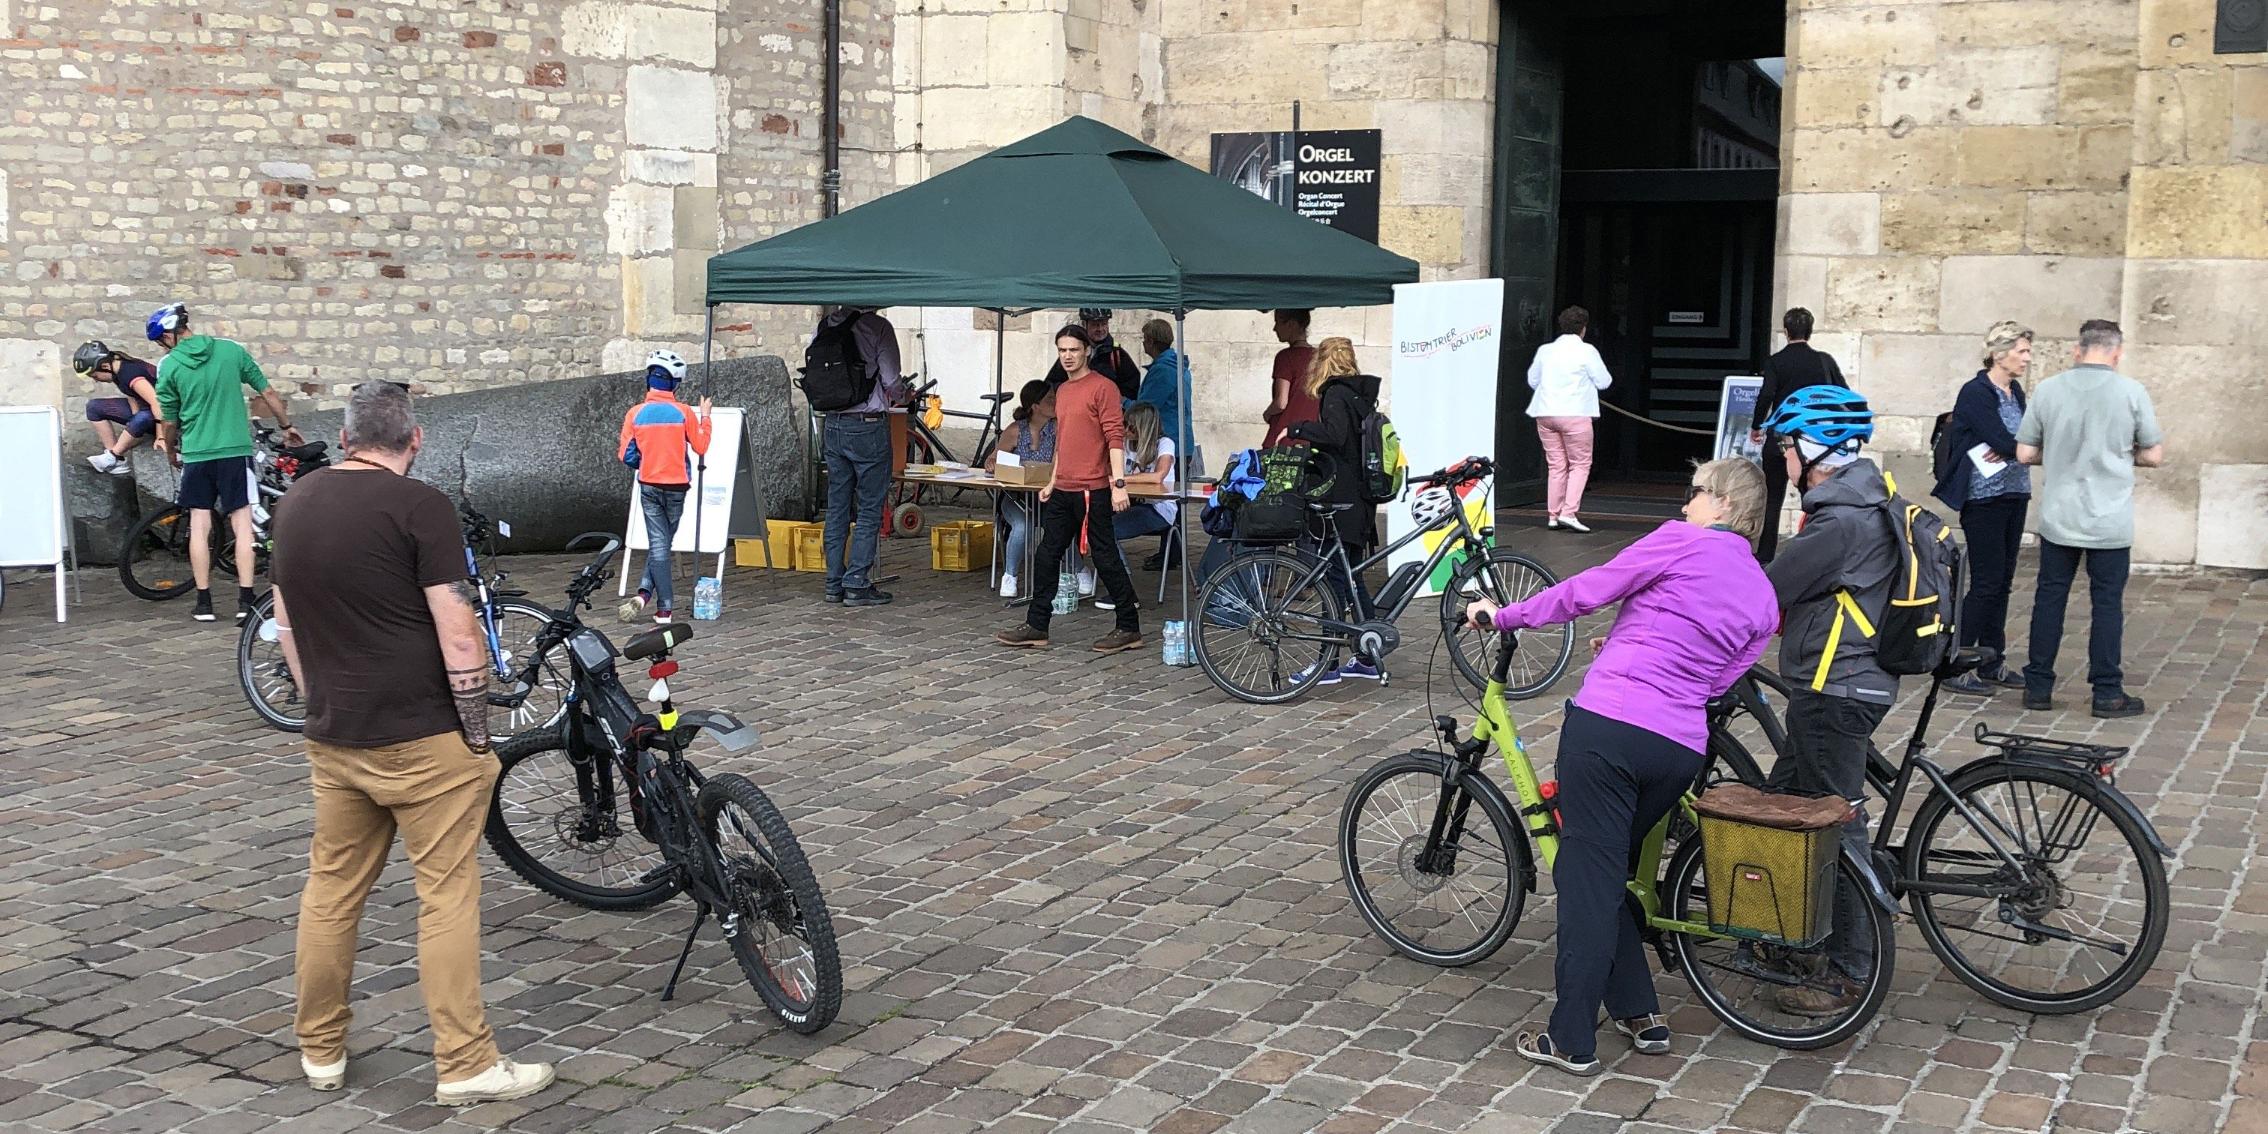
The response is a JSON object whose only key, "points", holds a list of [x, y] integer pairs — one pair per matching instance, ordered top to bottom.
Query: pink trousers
{"points": [[1567, 462]]}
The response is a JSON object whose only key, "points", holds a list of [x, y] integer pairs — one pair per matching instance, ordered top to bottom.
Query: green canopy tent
{"points": [[1077, 215]]}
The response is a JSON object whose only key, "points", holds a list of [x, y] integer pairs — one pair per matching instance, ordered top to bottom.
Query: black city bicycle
{"points": [[925, 447], [153, 559], [1272, 622], [528, 686], [606, 810], [2032, 877]]}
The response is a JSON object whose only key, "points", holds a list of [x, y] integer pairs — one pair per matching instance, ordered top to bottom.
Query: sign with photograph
{"points": [[1325, 175], [1736, 409]]}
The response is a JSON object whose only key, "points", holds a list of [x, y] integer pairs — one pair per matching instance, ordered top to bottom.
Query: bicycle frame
{"points": [[1462, 537]]}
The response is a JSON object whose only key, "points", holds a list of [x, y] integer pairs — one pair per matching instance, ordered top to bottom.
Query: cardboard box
{"points": [[1030, 475]]}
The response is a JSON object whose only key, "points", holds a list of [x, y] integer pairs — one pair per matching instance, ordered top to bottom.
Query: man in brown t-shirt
{"points": [[1088, 487], [382, 638]]}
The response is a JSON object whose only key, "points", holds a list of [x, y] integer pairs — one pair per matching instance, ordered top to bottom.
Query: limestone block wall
{"points": [[1949, 165], [457, 194]]}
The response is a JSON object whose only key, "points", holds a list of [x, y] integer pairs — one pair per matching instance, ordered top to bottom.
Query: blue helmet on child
{"points": [[171, 317], [1831, 417]]}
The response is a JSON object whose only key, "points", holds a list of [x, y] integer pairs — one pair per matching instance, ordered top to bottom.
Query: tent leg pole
{"points": [[708, 350], [999, 380], [1181, 466]]}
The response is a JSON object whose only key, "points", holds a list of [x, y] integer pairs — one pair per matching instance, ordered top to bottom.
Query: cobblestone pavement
{"points": [[1074, 893]]}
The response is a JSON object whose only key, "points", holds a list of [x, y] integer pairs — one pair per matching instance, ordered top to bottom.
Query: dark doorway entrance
{"points": [[1660, 148]]}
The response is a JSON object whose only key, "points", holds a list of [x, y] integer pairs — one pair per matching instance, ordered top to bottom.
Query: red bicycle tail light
{"points": [[662, 669]]}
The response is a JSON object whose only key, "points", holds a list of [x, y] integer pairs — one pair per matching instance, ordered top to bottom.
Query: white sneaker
{"points": [[103, 461], [1551, 522], [1572, 524], [1087, 583], [1007, 585], [324, 1076], [506, 1080]]}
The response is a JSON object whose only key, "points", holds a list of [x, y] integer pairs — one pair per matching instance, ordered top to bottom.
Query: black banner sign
{"points": [[1325, 175]]}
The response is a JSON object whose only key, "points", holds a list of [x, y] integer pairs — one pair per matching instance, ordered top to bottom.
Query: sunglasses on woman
{"points": [[1694, 492]]}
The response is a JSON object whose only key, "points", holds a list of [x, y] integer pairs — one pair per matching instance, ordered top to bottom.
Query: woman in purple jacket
{"points": [[1696, 613]]}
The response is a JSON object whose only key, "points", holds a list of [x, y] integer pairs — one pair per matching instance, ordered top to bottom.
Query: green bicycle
{"points": [[1447, 888]]}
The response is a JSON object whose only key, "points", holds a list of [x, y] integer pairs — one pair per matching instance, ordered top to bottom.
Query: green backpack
{"points": [[1384, 469]]}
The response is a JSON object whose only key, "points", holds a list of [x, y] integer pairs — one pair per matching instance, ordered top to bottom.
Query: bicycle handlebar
{"points": [[1469, 469]]}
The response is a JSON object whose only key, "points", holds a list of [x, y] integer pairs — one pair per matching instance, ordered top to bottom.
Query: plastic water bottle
{"points": [[1066, 592], [708, 598], [1176, 642]]}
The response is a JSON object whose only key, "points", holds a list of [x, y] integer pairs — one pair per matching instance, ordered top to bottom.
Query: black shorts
{"points": [[222, 486]]}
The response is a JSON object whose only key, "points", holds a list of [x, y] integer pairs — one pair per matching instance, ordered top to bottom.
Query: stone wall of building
{"points": [[1948, 165], [455, 194]]}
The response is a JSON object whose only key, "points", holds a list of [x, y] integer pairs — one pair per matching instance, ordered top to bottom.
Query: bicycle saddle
{"points": [[997, 397], [307, 452], [1325, 508], [657, 641], [1967, 659]]}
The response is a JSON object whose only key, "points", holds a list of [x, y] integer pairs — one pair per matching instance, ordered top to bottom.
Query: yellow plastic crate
{"points": [[809, 544], [961, 545], [749, 553], [1767, 883]]}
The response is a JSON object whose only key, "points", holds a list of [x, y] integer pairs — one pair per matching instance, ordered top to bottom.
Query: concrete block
{"points": [[2105, 27], [598, 29], [2175, 33], [680, 34], [953, 51], [1218, 68], [1388, 69], [1976, 86], [2095, 87], [1831, 98], [671, 109], [2183, 117], [982, 118], [1445, 126], [2248, 126], [2044, 157], [1826, 161], [670, 167], [1435, 179], [3, 206], [2203, 212], [639, 219], [1978, 220], [2075, 223], [1831, 224], [1426, 233], [689, 280], [1801, 281], [1881, 293], [2051, 294], [2198, 302], [31, 373], [1915, 375], [2193, 389], [2232, 507], [2167, 515]]}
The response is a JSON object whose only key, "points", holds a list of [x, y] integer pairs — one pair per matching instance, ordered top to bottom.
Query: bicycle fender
{"points": [[512, 592], [724, 727], [2117, 799], [1871, 880]]}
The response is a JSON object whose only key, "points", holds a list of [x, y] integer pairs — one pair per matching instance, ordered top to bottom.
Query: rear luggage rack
{"points": [[2045, 748]]}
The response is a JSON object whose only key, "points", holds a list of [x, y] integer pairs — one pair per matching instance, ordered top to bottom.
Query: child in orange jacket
{"points": [[656, 435]]}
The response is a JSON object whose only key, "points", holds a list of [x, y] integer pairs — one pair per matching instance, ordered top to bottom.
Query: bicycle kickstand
{"points": [[699, 919]]}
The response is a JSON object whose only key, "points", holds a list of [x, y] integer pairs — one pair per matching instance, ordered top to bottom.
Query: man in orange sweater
{"points": [[656, 434], [1088, 487]]}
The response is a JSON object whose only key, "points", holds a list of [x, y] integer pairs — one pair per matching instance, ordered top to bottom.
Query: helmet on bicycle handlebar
{"points": [[171, 317], [92, 353], [1831, 418], [1432, 505]]}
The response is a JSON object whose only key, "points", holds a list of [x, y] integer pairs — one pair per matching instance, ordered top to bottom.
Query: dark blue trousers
{"points": [[1615, 782]]}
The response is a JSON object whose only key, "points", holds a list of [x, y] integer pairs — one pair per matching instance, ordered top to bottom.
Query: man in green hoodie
{"points": [[204, 427]]}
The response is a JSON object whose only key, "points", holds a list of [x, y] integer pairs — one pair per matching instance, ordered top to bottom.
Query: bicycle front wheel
{"points": [[153, 559], [1504, 577], [1261, 631], [262, 671], [530, 689], [564, 823], [1448, 898], [777, 923], [2076, 926], [1790, 998]]}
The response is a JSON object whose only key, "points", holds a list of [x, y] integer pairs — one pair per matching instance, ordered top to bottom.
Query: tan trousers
{"points": [[435, 791]]}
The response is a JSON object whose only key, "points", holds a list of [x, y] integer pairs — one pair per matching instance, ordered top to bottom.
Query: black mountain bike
{"points": [[153, 559], [1271, 622], [528, 686], [607, 811], [2032, 877]]}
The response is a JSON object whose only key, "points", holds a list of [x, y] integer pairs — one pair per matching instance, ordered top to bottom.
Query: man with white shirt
{"points": [[1567, 376]]}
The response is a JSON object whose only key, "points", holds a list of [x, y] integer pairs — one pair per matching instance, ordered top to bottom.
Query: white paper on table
{"points": [[1979, 455], [1004, 457]]}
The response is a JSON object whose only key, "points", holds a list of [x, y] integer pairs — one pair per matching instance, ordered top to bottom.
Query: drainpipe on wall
{"points": [[830, 112]]}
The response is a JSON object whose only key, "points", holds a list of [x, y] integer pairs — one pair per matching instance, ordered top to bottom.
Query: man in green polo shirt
{"points": [[204, 426]]}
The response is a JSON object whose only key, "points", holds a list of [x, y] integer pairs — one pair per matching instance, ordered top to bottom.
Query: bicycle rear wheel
{"points": [[153, 559], [1505, 576], [1260, 632], [262, 672], [544, 678], [565, 825], [1448, 900], [2082, 921], [777, 924], [1757, 989]]}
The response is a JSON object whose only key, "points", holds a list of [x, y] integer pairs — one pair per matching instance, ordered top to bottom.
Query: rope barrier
{"points": [[1657, 424]]}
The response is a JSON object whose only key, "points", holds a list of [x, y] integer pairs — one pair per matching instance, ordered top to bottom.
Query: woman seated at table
{"points": [[1032, 438], [1149, 469]]}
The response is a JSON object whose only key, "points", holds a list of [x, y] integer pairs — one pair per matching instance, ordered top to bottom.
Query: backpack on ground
{"points": [[834, 376], [1384, 469], [1278, 510], [1919, 626]]}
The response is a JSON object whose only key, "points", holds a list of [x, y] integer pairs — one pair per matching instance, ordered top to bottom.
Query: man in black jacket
{"points": [[1107, 358], [1793, 368]]}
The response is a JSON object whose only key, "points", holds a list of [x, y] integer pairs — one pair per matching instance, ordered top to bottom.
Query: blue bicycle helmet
{"points": [[167, 318], [1832, 417]]}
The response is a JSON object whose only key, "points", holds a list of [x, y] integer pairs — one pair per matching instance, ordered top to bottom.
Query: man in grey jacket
{"points": [[1833, 583]]}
